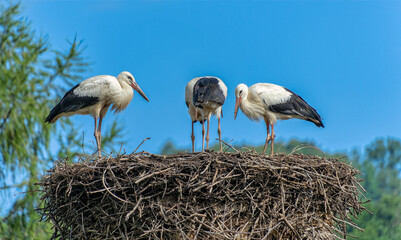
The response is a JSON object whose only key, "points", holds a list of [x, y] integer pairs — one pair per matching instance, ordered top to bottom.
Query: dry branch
{"points": [[201, 196]]}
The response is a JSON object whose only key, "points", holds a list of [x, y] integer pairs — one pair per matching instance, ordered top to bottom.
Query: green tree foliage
{"points": [[33, 77], [170, 148], [380, 167]]}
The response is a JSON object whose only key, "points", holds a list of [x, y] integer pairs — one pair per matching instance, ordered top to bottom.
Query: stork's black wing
{"points": [[207, 89], [71, 102], [297, 106]]}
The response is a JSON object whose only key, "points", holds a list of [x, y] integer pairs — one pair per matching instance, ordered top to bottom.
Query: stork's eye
{"points": [[240, 92]]}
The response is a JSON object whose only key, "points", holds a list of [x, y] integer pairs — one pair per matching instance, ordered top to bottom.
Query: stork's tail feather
{"points": [[311, 115], [51, 118], [318, 122]]}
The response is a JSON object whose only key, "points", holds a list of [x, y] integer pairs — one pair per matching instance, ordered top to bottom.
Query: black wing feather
{"points": [[207, 89], [71, 103], [297, 106]]}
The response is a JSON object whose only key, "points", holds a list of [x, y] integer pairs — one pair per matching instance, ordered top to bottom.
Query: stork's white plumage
{"points": [[94, 96], [204, 97], [272, 102]]}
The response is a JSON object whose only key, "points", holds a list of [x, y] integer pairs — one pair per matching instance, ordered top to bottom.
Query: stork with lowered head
{"points": [[205, 96], [272, 102]]}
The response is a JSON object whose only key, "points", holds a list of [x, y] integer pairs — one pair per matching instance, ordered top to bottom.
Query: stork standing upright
{"points": [[94, 96], [204, 97], [272, 102]]}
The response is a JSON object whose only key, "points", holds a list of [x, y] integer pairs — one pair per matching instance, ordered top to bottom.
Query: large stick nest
{"points": [[201, 196]]}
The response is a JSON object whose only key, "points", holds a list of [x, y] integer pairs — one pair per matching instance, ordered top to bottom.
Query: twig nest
{"points": [[201, 196]]}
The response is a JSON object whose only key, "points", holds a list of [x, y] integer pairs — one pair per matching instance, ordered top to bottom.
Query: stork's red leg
{"points": [[219, 132], [99, 133], [207, 134], [203, 135], [193, 137], [97, 138], [268, 138], [272, 138]]}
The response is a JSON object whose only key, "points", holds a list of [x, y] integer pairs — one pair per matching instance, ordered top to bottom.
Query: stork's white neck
{"points": [[123, 97], [252, 110]]}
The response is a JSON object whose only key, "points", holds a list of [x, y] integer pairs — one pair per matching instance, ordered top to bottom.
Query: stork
{"points": [[94, 96], [205, 96], [272, 102]]}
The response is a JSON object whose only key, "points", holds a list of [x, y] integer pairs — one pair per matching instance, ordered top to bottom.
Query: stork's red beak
{"points": [[139, 90], [237, 103]]}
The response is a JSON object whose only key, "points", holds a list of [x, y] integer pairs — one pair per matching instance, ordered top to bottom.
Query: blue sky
{"points": [[342, 57]]}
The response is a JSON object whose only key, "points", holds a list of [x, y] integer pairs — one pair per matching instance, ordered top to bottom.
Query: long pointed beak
{"points": [[139, 90], [237, 103]]}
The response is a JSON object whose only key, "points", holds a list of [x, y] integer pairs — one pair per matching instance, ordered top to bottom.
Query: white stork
{"points": [[94, 96], [204, 97], [272, 102]]}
